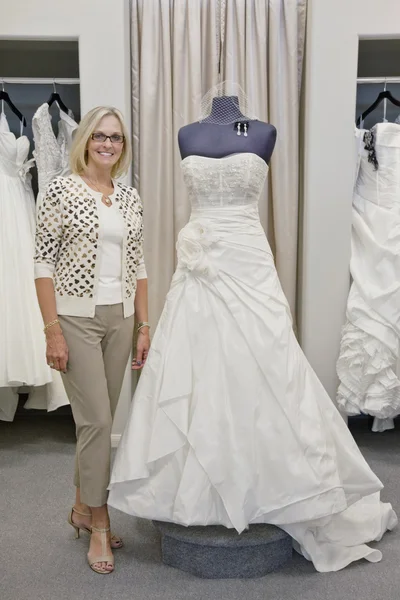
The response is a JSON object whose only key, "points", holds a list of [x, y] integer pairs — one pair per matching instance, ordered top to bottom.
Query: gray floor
{"points": [[40, 560]]}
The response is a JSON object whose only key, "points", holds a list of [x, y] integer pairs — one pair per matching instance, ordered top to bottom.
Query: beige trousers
{"points": [[99, 349]]}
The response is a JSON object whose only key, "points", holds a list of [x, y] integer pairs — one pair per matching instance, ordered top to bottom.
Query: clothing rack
{"points": [[39, 80], [370, 80]]}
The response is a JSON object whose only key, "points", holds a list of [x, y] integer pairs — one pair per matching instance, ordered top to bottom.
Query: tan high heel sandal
{"points": [[116, 541], [108, 558]]}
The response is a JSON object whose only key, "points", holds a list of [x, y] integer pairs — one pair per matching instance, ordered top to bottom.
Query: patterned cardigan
{"points": [[69, 239]]}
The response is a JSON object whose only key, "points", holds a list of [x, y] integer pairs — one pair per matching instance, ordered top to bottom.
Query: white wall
{"points": [[334, 27], [102, 28]]}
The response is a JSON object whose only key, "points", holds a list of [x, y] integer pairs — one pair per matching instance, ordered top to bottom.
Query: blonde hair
{"points": [[79, 156]]}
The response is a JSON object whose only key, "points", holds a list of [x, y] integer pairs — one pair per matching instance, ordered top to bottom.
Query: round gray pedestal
{"points": [[215, 552]]}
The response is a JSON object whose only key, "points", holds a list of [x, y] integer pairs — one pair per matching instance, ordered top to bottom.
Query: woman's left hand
{"points": [[142, 349]]}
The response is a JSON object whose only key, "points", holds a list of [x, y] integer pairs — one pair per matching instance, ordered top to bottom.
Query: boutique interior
{"points": [[328, 78]]}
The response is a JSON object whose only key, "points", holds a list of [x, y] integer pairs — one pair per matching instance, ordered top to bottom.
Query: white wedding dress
{"points": [[51, 152], [52, 159], [22, 345], [368, 365], [229, 424]]}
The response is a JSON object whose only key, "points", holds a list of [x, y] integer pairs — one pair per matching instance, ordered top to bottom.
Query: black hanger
{"points": [[4, 96], [382, 96], [55, 97]]}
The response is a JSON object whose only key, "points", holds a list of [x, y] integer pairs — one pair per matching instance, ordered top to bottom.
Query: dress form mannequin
{"points": [[214, 139]]}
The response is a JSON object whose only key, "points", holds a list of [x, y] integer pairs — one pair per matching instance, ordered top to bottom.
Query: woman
{"points": [[91, 284]]}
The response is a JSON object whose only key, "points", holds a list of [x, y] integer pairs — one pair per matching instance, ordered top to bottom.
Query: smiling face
{"points": [[105, 154]]}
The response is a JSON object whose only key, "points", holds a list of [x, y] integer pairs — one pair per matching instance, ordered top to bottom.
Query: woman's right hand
{"points": [[56, 349]]}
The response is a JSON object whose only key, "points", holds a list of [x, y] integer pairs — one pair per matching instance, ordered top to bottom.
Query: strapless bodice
{"points": [[13, 151], [234, 180], [380, 186]]}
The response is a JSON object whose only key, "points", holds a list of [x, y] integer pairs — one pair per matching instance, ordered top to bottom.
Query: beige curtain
{"points": [[263, 53], [175, 56], [174, 60]]}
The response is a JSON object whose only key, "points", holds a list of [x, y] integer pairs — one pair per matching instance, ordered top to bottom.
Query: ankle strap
{"points": [[81, 513], [100, 530]]}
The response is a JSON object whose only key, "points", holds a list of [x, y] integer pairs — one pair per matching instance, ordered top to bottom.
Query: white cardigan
{"points": [[69, 241]]}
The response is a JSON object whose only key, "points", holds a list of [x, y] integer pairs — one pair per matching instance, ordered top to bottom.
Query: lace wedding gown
{"points": [[51, 152], [52, 159], [22, 347], [368, 365], [229, 424]]}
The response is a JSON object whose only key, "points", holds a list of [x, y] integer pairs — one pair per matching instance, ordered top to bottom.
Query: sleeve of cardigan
{"points": [[48, 231], [141, 270]]}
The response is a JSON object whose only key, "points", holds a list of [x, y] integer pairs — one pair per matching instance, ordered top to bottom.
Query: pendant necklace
{"points": [[105, 199]]}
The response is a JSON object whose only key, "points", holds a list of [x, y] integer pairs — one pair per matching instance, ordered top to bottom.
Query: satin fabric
{"points": [[22, 348], [23, 364], [368, 365], [229, 424]]}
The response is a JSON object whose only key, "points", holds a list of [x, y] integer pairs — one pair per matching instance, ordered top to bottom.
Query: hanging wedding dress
{"points": [[51, 152], [52, 159], [22, 347], [368, 365], [229, 424]]}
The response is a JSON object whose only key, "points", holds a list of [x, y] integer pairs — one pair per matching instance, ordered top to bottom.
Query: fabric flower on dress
{"points": [[24, 173], [194, 243]]}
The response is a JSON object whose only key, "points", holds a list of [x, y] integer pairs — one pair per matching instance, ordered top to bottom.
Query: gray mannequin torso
{"points": [[214, 140]]}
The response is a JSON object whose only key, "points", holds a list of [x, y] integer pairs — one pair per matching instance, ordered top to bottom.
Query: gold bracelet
{"points": [[141, 325], [46, 327]]}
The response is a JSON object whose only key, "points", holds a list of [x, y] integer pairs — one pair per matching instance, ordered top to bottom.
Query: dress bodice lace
{"points": [[51, 152], [234, 180]]}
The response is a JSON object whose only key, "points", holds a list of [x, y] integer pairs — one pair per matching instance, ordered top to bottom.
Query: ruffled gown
{"points": [[368, 365]]}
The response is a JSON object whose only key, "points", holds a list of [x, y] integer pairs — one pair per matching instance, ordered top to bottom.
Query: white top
{"points": [[109, 289]]}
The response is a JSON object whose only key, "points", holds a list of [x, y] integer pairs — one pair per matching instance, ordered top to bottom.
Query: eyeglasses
{"points": [[116, 138]]}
